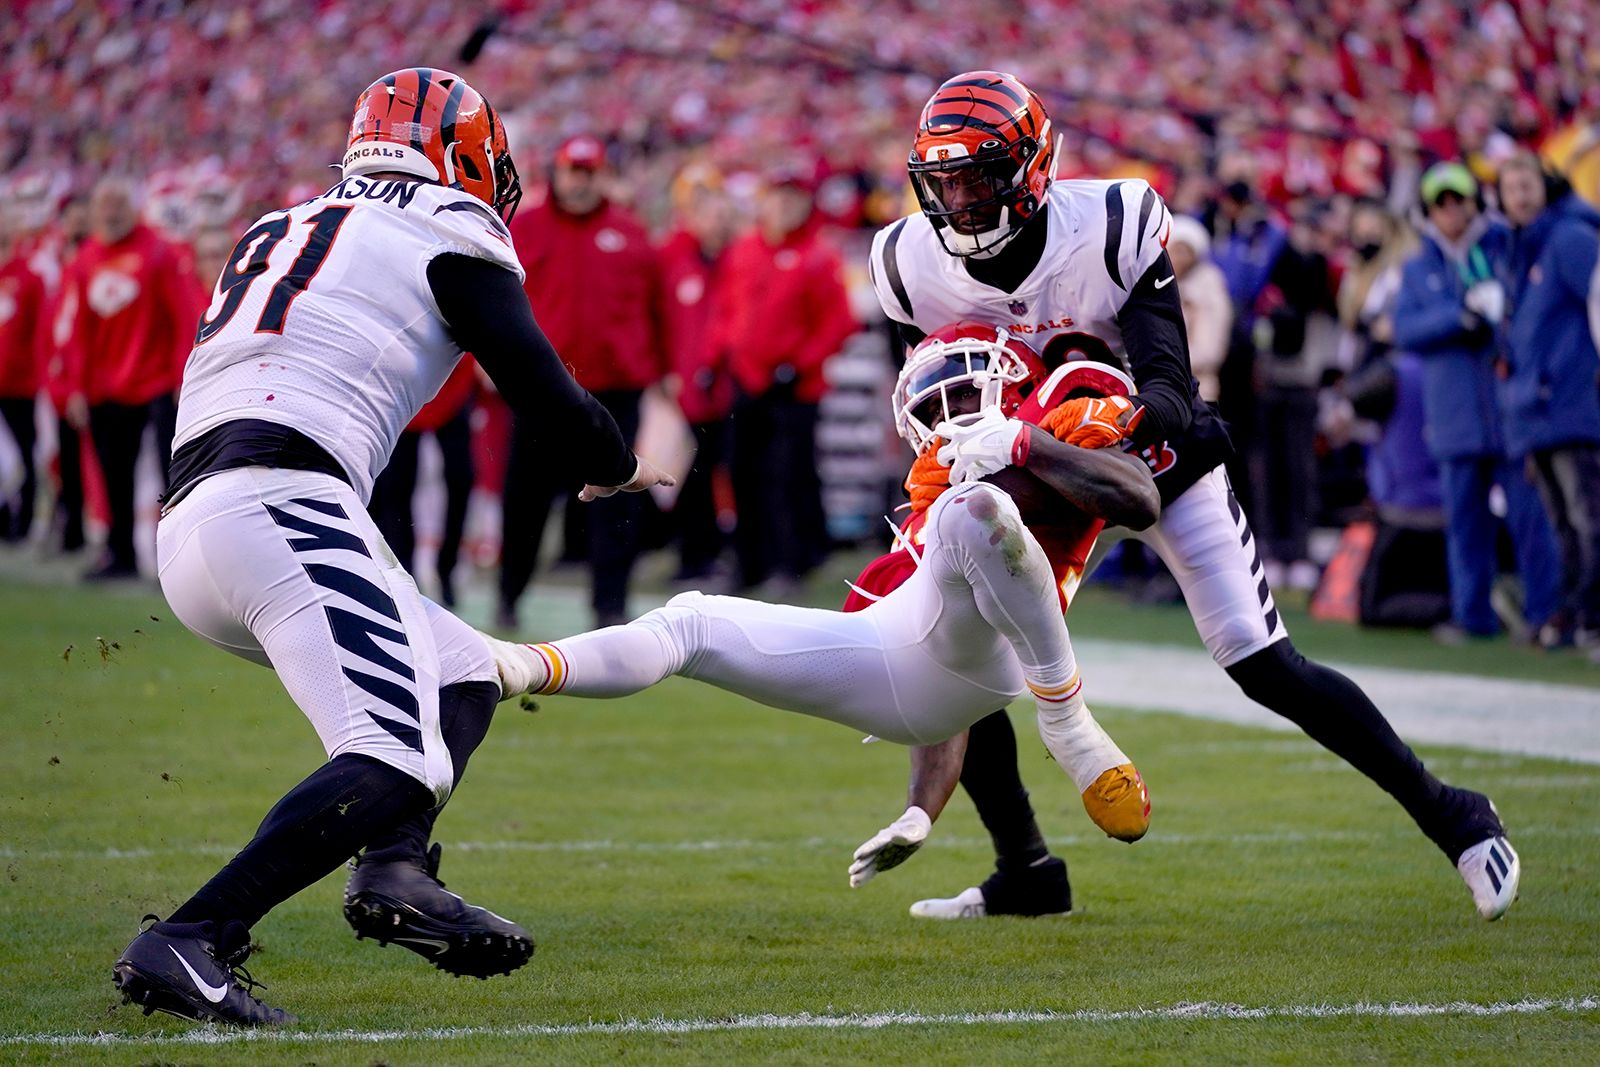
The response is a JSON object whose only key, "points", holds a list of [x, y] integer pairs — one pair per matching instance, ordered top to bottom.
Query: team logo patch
{"points": [[941, 153], [1018, 307], [1159, 458]]}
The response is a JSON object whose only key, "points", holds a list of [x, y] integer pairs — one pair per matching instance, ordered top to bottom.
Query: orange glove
{"points": [[1093, 421], [928, 477]]}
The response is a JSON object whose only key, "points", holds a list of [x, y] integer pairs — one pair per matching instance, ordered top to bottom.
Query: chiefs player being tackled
{"points": [[964, 615]]}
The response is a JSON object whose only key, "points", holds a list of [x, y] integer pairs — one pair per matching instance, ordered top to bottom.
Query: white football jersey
{"points": [[1103, 236], [323, 319]]}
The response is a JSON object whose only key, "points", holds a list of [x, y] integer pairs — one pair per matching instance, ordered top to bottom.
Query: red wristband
{"points": [[1019, 447]]}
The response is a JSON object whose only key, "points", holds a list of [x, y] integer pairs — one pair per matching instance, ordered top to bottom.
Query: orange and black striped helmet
{"points": [[434, 125], [982, 161]]}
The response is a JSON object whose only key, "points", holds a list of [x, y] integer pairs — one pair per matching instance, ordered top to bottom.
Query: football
{"points": [[1041, 505], [1064, 531]]}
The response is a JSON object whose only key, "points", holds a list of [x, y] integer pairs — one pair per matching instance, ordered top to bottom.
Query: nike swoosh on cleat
{"points": [[1162, 284], [442, 946], [213, 993]]}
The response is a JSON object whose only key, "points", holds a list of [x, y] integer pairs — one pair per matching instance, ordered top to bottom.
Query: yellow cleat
{"points": [[1119, 803]]}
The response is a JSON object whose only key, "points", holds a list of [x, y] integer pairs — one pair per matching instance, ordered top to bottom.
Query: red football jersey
{"points": [[1067, 545]]}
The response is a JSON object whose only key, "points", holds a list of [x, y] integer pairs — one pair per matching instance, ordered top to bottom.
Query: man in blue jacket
{"points": [[1447, 312], [1552, 394]]}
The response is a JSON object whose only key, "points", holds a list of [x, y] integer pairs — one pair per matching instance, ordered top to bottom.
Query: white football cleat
{"points": [[1491, 870], [968, 904]]}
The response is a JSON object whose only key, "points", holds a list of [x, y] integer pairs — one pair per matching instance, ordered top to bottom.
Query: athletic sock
{"points": [[465, 711], [1334, 712], [991, 778], [317, 825]]}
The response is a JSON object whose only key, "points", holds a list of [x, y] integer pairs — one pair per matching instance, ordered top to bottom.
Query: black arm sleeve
{"points": [[488, 315], [909, 335], [1158, 353]]}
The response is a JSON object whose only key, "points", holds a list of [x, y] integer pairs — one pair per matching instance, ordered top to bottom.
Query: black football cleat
{"points": [[1034, 891], [402, 901], [194, 971]]}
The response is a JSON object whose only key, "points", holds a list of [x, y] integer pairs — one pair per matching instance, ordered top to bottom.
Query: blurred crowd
{"points": [[719, 166]]}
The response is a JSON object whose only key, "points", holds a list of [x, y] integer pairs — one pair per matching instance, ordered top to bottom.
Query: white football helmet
{"points": [[952, 364]]}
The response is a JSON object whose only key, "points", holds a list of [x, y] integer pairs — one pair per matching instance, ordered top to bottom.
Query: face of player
{"points": [[577, 190], [970, 193], [1521, 194]]}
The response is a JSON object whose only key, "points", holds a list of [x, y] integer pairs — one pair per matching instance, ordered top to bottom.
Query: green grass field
{"points": [[681, 857]]}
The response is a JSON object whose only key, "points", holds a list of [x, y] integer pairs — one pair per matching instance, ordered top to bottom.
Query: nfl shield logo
{"points": [[1018, 307]]}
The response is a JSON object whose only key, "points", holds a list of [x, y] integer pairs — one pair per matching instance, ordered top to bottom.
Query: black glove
{"points": [[1476, 330]]}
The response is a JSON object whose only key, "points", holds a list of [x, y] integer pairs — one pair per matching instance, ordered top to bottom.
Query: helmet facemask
{"points": [[976, 203], [955, 381]]}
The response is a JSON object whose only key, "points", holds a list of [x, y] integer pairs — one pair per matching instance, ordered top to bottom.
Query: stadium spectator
{"points": [[1246, 244], [1380, 244], [691, 268], [595, 284], [22, 294], [1207, 310], [786, 311], [1446, 312], [59, 314], [134, 324], [1297, 333], [1552, 394], [448, 417], [1405, 581]]}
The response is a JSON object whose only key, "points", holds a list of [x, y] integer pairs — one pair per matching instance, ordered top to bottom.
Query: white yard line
{"points": [[1467, 711], [1268, 837], [1183, 1012]]}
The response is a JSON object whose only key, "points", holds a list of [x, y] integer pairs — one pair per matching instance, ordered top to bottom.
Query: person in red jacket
{"points": [[691, 258], [595, 285], [22, 295], [784, 312], [136, 315], [57, 318], [448, 416]]}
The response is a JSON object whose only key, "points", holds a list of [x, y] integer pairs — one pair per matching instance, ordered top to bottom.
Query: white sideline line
{"points": [[1271, 837], [1185, 1011]]}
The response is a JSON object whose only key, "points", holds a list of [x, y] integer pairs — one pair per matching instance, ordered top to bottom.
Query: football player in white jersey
{"points": [[1080, 269], [333, 322], [967, 613]]}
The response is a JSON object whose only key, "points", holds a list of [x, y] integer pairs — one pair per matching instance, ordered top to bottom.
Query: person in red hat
{"points": [[594, 281], [786, 312]]}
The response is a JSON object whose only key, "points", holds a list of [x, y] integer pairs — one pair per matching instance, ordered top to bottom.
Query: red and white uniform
{"points": [[1103, 237], [22, 298], [134, 316], [1067, 548]]}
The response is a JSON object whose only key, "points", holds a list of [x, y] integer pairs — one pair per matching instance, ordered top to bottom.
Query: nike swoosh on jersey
{"points": [[1162, 284], [213, 993]]}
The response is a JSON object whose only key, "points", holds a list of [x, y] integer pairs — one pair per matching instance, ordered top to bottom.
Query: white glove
{"points": [[1488, 299], [976, 448], [891, 846]]}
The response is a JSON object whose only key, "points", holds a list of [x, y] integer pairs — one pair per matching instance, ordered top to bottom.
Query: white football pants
{"points": [[1204, 539], [286, 569], [976, 625]]}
